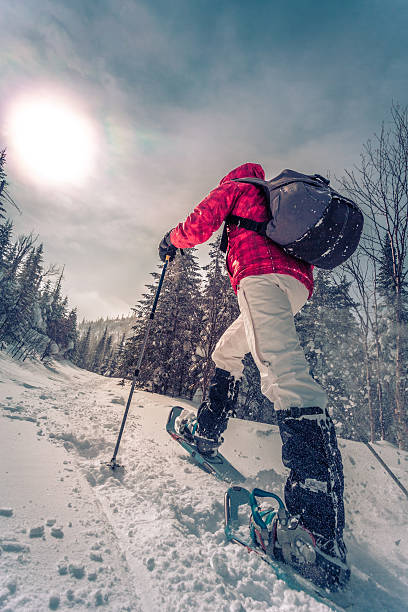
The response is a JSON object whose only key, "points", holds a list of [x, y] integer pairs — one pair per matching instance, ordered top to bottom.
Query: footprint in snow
{"points": [[13, 408], [6, 512], [37, 532]]}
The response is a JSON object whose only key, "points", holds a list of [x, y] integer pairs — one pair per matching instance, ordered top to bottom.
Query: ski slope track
{"points": [[75, 535]]}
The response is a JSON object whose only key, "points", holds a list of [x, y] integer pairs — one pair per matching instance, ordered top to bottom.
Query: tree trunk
{"points": [[368, 384], [380, 397], [402, 428]]}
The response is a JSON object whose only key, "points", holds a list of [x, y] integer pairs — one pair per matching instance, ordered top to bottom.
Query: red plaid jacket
{"points": [[248, 253]]}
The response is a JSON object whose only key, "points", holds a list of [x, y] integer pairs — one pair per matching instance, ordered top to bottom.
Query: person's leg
{"points": [[271, 335], [231, 349], [228, 354], [205, 429], [314, 489]]}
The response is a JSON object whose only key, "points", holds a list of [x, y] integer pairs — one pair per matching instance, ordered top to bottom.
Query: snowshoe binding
{"points": [[187, 427], [283, 538]]}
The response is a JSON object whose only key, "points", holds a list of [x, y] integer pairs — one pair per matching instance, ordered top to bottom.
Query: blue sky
{"points": [[179, 93]]}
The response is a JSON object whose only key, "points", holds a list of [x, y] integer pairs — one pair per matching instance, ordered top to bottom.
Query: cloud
{"points": [[179, 94]]}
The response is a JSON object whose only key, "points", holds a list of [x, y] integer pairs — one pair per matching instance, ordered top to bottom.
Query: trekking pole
{"points": [[379, 459], [112, 463], [387, 469]]}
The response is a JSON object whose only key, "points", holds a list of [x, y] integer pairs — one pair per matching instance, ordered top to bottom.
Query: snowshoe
{"points": [[183, 431], [281, 536], [286, 546]]}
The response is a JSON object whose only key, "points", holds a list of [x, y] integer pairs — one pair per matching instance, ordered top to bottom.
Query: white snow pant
{"points": [[266, 329]]}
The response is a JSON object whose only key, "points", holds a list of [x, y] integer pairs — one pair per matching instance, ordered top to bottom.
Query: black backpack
{"points": [[307, 218]]}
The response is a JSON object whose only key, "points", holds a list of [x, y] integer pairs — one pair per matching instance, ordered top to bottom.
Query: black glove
{"points": [[167, 248]]}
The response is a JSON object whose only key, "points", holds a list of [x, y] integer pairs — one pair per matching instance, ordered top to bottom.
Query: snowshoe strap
{"points": [[257, 515], [289, 533]]}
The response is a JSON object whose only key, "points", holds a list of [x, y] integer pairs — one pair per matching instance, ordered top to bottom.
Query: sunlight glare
{"points": [[52, 141]]}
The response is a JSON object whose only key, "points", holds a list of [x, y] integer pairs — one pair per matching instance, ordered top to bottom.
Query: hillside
{"points": [[116, 328], [74, 535]]}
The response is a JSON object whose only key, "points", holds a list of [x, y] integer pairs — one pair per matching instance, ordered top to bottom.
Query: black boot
{"points": [[213, 414], [204, 430], [314, 489]]}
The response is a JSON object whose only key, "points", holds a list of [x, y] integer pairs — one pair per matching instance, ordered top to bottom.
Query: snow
{"points": [[75, 535]]}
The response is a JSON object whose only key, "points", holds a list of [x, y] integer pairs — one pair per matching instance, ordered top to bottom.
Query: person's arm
{"points": [[206, 218]]}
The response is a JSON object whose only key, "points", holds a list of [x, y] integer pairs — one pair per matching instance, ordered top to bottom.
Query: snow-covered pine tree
{"points": [[2, 184], [5, 198], [6, 230], [13, 262], [363, 272], [7, 284], [55, 311], [18, 319], [29, 321], [393, 323], [61, 325], [71, 334], [133, 345], [99, 353], [107, 356], [82, 358], [170, 365], [114, 369]]}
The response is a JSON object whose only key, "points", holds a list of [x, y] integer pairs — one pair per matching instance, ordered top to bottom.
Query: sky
{"points": [[167, 97]]}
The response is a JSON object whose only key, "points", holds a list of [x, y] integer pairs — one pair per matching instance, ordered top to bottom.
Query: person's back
{"points": [[249, 253]]}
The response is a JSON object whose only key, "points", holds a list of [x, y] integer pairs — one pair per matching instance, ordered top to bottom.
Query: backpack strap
{"points": [[254, 226], [224, 239]]}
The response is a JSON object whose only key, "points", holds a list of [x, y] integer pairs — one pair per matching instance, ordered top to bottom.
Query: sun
{"points": [[53, 142]]}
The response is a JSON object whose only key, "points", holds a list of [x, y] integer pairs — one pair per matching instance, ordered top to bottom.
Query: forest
{"points": [[353, 330]]}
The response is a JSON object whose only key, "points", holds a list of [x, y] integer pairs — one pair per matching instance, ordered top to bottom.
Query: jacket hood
{"points": [[245, 171]]}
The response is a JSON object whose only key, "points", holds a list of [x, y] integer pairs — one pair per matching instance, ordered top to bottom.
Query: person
{"points": [[271, 287]]}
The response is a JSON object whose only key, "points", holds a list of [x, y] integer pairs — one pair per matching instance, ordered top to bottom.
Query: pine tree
{"points": [[3, 184], [5, 198], [6, 230], [13, 262], [8, 286], [220, 309], [56, 312], [18, 317], [393, 321], [30, 323], [71, 335], [330, 337], [99, 353], [107, 356], [82, 358], [169, 365], [115, 366]]}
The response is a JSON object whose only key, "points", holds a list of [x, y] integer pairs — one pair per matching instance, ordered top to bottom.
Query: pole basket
{"points": [[113, 464]]}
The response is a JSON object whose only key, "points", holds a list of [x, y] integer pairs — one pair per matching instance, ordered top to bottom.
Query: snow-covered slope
{"points": [[74, 534]]}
